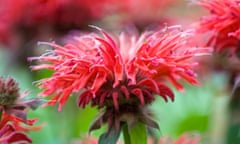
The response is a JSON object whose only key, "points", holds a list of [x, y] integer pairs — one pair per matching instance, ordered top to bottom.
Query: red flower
{"points": [[223, 22], [129, 70], [13, 102], [13, 113], [12, 129], [8, 135]]}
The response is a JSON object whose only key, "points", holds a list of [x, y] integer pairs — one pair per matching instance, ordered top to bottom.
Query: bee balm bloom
{"points": [[223, 21], [112, 73], [121, 75], [13, 114]]}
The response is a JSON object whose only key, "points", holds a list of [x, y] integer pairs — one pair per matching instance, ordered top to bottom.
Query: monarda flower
{"points": [[223, 24], [223, 28], [121, 75], [13, 111], [12, 129], [9, 134]]}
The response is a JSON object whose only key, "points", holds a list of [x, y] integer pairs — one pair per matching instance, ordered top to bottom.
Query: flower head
{"points": [[223, 23], [112, 72], [121, 76], [9, 91], [12, 101], [13, 112], [12, 129], [9, 134]]}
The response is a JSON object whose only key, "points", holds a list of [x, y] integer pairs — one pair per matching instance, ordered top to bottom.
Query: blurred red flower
{"points": [[223, 23], [108, 72], [13, 113], [12, 129], [8, 135]]}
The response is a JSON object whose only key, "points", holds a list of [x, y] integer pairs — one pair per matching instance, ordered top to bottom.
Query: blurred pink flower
{"points": [[144, 12], [34, 16], [223, 22], [129, 70], [183, 139], [89, 140]]}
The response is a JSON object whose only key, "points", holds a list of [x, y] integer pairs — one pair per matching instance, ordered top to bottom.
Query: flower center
{"points": [[9, 91]]}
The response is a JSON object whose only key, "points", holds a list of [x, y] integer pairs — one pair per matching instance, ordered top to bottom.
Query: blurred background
{"points": [[203, 110]]}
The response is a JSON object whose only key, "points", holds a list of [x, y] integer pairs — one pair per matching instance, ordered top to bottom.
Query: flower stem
{"points": [[126, 134]]}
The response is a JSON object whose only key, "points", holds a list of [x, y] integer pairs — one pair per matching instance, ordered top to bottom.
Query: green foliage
{"points": [[192, 110], [192, 123], [138, 134]]}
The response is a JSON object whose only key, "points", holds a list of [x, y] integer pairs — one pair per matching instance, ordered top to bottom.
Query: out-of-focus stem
{"points": [[219, 120], [233, 133], [126, 134]]}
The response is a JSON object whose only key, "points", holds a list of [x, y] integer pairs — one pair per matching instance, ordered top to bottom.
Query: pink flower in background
{"points": [[143, 13], [51, 16], [223, 23], [128, 70], [183, 139], [89, 140]]}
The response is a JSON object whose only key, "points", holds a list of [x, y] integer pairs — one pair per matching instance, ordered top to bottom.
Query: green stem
{"points": [[126, 134]]}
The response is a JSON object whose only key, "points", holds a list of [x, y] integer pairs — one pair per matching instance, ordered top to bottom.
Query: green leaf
{"points": [[193, 122], [138, 134]]}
